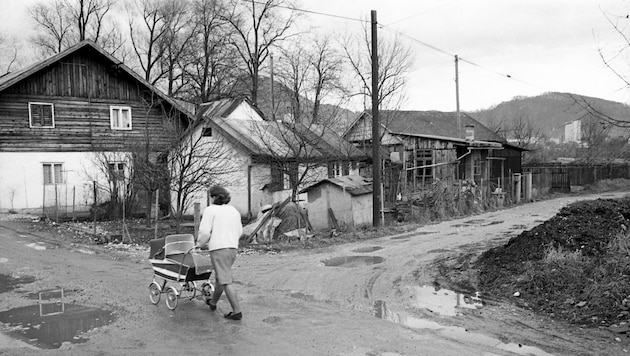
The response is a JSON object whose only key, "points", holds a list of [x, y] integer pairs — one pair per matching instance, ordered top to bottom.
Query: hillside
{"points": [[550, 111], [336, 116]]}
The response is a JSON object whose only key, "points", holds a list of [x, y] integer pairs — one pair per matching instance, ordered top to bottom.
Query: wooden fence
{"points": [[561, 177]]}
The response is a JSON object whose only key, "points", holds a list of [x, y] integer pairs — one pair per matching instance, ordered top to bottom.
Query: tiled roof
{"points": [[435, 124], [276, 139]]}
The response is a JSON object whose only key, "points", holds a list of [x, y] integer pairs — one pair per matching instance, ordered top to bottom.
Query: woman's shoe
{"points": [[233, 316]]}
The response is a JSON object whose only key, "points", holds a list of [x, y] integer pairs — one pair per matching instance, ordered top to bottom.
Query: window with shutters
{"points": [[41, 115]]}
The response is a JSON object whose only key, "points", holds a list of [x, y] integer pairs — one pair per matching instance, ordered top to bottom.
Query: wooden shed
{"points": [[338, 202]]}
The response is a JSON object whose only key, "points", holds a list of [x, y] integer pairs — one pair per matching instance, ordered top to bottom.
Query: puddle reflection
{"points": [[444, 301], [52, 322], [454, 332]]}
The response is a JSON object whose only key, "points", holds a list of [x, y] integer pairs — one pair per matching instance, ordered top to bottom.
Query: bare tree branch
{"points": [[258, 27]]}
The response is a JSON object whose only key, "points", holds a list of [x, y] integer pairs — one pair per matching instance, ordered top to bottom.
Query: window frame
{"points": [[30, 115], [113, 120], [207, 132], [116, 170], [52, 174]]}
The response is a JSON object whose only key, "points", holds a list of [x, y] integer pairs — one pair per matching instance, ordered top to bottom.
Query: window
{"points": [[41, 115], [120, 117], [207, 132], [424, 158], [419, 165], [477, 167], [338, 169], [116, 171], [53, 173], [277, 178]]}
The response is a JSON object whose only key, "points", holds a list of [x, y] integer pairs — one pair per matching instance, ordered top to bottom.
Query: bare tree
{"points": [[89, 16], [62, 23], [54, 26], [258, 26], [146, 38], [177, 44], [9, 54], [611, 59], [395, 60], [209, 69], [311, 73], [496, 122], [524, 131], [302, 141], [148, 157], [196, 162], [114, 176]]}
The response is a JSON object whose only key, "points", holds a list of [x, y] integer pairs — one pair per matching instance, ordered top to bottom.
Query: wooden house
{"points": [[68, 124], [426, 147], [260, 151], [340, 201]]}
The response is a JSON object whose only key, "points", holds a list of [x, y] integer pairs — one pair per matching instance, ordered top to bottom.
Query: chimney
{"points": [[470, 132]]}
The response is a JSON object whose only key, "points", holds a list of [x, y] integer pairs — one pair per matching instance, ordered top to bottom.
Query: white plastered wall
{"points": [[22, 181]]}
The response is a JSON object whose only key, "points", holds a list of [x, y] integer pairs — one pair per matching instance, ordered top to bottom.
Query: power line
{"points": [[309, 11], [386, 27], [504, 75]]}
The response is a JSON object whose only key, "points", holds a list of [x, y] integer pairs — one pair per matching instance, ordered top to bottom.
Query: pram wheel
{"points": [[155, 292], [171, 297]]}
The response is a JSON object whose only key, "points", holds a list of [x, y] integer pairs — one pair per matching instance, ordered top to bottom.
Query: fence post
{"points": [[528, 186], [517, 187], [74, 192], [44, 201], [56, 205], [95, 207], [157, 211]]}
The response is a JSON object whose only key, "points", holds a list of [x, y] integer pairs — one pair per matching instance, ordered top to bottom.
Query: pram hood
{"points": [[179, 248]]}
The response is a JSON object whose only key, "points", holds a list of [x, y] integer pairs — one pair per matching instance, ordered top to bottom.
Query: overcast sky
{"points": [[543, 45]]}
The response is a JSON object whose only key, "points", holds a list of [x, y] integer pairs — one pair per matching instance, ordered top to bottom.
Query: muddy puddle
{"points": [[477, 222], [367, 249], [352, 261], [443, 301], [52, 322], [456, 333]]}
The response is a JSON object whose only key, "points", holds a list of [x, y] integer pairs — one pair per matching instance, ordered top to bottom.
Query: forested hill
{"points": [[549, 111]]}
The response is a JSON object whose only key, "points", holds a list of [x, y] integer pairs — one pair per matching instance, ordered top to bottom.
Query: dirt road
{"points": [[377, 297]]}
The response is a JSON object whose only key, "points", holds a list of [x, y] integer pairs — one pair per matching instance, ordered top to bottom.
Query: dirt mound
{"points": [[574, 267]]}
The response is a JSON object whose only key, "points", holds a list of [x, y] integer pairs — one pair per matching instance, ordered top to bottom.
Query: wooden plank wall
{"points": [[82, 87]]}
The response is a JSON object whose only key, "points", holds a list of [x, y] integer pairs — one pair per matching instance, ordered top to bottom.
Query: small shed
{"points": [[341, 201]]}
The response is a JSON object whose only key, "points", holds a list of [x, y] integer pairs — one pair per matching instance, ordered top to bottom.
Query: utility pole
{"points": [[459, 124], [376, 137]]}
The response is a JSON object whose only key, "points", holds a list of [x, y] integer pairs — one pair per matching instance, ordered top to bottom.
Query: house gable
{"points": [[96, 101]]}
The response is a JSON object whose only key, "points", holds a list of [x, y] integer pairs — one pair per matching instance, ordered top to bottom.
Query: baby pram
{"points": [[174, 259]]}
